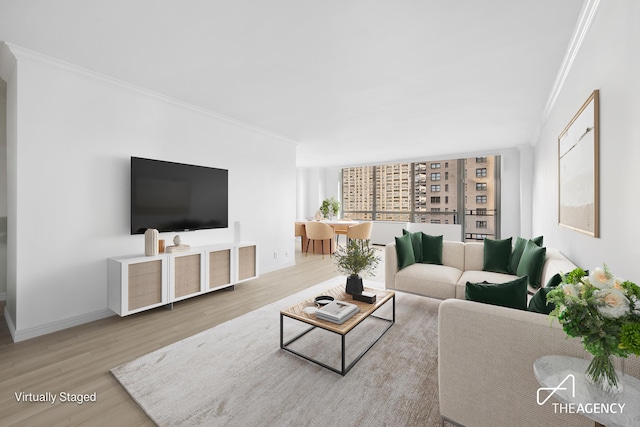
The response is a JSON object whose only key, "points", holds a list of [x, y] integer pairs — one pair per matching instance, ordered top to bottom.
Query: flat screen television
{"points": [[171, 196]]}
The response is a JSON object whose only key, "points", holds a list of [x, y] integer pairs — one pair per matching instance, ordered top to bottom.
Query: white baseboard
{"points": [[37, 331]]}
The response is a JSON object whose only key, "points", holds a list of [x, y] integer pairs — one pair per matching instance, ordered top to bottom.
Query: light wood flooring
{"points": [[78, 360]]}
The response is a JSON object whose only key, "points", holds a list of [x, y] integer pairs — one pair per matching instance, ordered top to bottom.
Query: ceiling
{"points": [[349, 81]]}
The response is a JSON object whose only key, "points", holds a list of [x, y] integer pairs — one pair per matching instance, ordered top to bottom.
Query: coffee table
{"points": [[366, 310]]}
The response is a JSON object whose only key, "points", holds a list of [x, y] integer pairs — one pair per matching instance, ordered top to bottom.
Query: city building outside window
{"points": [[401, 192]]}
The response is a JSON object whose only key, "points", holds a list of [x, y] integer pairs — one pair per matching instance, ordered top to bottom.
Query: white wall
{"points": [[608, 61], [75, 133]]}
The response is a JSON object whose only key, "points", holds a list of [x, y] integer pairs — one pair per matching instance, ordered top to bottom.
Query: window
{"points": [[410, 192], [435, 221]]}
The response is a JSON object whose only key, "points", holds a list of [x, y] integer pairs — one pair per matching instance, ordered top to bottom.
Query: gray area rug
{"points": [[236, 374]]}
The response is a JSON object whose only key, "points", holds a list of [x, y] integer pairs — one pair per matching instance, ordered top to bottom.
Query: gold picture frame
{"points": [[578, 171]]}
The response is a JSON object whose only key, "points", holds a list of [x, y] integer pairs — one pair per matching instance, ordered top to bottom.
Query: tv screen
{"points": [[177, 197]]}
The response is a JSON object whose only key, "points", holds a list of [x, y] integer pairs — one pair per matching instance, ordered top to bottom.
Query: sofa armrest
{"points": [[390, 266], [485, 365]]}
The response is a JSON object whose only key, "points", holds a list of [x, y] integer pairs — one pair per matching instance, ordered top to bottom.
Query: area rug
{"points": [[236, 374]]}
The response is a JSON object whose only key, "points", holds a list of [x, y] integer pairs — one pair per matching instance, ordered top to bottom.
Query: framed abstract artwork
{"points": [[578, 172]]}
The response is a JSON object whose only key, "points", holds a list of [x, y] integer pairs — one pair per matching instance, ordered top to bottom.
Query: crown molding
{"points": [[585, 20], [17, 53]]}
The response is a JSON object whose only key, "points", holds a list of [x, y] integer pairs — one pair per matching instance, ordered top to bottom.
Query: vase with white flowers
{"points": [[604, 311]]}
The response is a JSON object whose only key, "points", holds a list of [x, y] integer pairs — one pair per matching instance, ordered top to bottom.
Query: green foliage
{"points": [[330, 206], [356, 257], [574, 276], [579, 309], [630, 337]]}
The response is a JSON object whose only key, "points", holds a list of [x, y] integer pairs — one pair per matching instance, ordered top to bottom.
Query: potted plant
{"points": [[330, 207], [356, 258]]}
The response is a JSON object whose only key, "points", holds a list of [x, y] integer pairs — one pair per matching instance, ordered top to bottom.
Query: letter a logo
{"points": [[553, 390]]}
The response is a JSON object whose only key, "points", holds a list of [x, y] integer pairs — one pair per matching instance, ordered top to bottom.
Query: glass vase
{"points": [[601, 372]]}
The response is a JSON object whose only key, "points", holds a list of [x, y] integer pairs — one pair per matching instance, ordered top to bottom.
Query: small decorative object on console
{"points": [[151, 242], [179, 246], [605, 311]]}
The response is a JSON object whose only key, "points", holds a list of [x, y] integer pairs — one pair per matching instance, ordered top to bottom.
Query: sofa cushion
{"points": [[416, 242], [431, 249], [404, 250], [497, 255], [532, 262], [477, 276], [435, 281], [511, 294], [538, 303]]}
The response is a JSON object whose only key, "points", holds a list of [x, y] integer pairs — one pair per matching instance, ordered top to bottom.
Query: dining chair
{"points": [[340, 229], [318, 231], [360, 231], [299, 232]]}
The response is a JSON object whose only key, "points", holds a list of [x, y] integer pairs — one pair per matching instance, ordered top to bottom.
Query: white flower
{"points": [[600, 279], [570, 290], [611, 303], [636, 304]]}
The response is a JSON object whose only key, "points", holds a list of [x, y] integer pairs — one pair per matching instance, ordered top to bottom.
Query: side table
{"points": [[563, 378]]}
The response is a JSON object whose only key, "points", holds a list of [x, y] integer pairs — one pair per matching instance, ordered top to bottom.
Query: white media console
{"points": [[138, 283]]}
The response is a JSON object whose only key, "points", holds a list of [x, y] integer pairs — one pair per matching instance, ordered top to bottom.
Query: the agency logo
{"points": [[560, 387], [575, 406]]}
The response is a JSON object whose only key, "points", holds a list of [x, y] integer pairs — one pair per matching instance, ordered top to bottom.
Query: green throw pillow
{"points": [[416, 242], [518, 248], [431, 249], [404, 251], [497, 255], [532, 262], [555, 280], [511, 294], [538, 303]]}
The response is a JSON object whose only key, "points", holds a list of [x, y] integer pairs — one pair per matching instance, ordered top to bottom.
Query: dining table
{"points": [[339, 226]]}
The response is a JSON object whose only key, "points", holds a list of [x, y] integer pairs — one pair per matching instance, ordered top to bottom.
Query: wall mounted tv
{"points": [[177, 197]]}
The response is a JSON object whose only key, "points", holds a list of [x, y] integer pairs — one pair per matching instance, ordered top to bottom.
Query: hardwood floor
{"points": [[78, 360]]}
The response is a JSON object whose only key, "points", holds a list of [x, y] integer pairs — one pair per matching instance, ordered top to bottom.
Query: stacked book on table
{"points": [[337, 311]]}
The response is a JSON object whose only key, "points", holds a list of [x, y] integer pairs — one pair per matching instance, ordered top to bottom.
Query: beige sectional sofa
{"points": [[461, 263], [486, 352]]}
